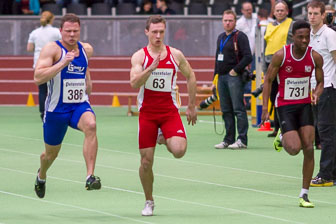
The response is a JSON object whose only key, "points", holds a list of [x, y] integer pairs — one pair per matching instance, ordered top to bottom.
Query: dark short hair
{"points": [[317, 4], [263, 13], [70, 17], [155, 19], [300, 24]]}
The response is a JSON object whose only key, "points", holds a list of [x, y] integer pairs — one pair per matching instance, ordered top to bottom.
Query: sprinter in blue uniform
{"points": [[63, 65]]}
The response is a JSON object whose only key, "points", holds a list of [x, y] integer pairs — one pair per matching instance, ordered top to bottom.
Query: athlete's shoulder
{"points": [[52, 46], [88, 48], [51, 50], [280, 53], [177, 54], [138, 56], [318, 59]]}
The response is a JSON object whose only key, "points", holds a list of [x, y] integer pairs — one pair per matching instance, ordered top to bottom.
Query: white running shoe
{"points": [[222, 145], [237, 145], [149, 208]]}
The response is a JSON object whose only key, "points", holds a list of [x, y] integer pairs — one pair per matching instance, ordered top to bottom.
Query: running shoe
{"points": [[277, 142], [222, 145], [237, 145], [320, 182], [93, 183], [39, 186], [305, 203], [149, 208]]}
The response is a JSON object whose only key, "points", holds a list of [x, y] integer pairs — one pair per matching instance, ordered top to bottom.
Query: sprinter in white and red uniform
{"points": [[63, 65], [293, 66], [154, 71]]}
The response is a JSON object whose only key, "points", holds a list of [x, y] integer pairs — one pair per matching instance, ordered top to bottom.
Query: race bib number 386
{"points": [[160, 80], [296, 88], [73, 90]]}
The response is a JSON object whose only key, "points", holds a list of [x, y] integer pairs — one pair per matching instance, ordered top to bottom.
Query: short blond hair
{"points": [[230, 12]]}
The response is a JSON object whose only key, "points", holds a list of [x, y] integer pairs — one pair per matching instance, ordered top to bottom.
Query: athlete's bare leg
{"points": [[87, 124], [307, 134], [161, 140], [291, 142], [177, 146], [47, 158], [146, 171]]}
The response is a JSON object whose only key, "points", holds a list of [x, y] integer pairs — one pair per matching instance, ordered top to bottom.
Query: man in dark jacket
{"points": [[233, 54]]}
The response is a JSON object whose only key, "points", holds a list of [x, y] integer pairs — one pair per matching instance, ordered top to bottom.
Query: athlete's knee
{"points": [[90, 126], [177, 146], [179, 150], [293, 150], [309, 151], [179, 153], [49, 155], [146, 164]]}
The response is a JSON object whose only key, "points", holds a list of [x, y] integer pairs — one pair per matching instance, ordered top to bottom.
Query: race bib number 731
{"points": [[296, 88], [73, 90]]}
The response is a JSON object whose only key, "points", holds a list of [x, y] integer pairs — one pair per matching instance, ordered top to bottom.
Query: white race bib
{"points": [[160, 80], [296, 88], [73, 90]]}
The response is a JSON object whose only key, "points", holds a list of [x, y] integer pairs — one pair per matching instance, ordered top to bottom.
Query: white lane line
{"points": [[209, 122], [164, 158], [172, 177], [167, 198], [72, 206]]}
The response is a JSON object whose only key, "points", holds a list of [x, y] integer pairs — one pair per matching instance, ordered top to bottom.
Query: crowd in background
{"points": [[32, 7]]}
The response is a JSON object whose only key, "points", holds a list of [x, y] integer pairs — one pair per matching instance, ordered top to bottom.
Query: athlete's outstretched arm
{"points": [[45, 69], [188, 73], [271, 74], [138, 75], [319, 76]]}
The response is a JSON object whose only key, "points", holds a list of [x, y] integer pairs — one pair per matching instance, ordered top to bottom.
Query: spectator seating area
{"points": [[181, 7]]}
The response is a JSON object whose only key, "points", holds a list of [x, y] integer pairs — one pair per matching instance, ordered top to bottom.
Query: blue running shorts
{"points": [[56, 124]]}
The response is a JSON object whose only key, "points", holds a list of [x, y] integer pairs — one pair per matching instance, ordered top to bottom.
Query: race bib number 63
{"points": [[160, 80], [296, 88], [73, 90]]}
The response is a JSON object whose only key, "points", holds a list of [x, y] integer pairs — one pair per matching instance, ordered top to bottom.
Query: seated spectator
{"points": [[162, 6], [26, 7], [146, 8]]}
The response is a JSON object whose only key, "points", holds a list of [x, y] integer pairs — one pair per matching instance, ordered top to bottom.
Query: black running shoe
{"points": [[93, 183], [39, 187]]}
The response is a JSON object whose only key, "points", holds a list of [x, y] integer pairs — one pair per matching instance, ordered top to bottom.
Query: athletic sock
{"points": [[88, 177], [40, 180], [303, 191]]}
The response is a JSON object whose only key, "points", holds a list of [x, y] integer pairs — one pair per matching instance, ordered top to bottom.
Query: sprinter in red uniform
{"points": [[293, 66], [154, 71]]}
